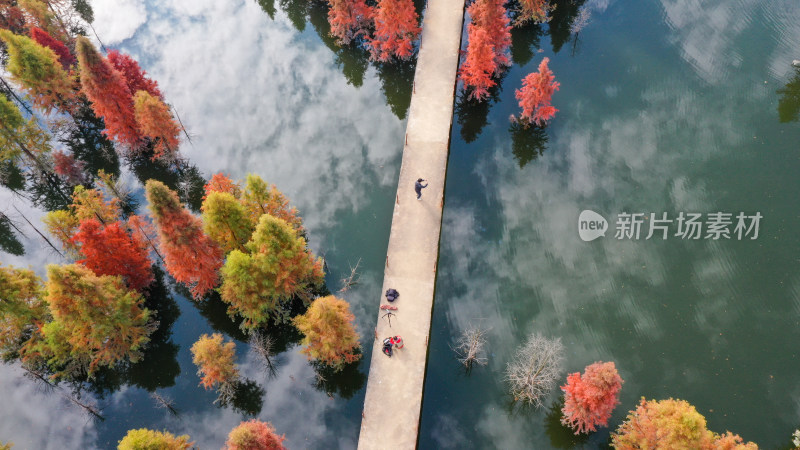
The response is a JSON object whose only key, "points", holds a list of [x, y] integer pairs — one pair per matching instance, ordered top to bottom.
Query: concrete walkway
{"points": [[394, 390]]}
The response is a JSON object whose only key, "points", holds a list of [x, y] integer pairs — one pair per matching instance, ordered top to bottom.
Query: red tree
{"points": [[491, 16], [11, 17], [348, 19], [396, 28], [44, 39], [479, 65], [134, 76], [106, 88], [534, 97], [67, 167], [111, 250], [190, 256], [590, 399]]}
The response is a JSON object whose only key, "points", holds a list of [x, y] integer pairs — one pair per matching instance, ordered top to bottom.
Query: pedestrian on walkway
{"points": [[418, 186]]}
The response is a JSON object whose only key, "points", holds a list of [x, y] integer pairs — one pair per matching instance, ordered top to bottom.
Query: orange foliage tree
{"points": [[491, 16], [348, 19], [396, 29], [44, 39], [479, 65], [135, 78], [106, 89], [535, 94], [156, 123], [220, 182], [111, 250], [189, 255], [97, 321], [330, 336], [215, 360], [590, 399], [671, 424], [254, 435]]}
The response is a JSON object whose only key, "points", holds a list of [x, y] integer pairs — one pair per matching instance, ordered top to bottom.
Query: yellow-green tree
{"points": [[37, 69], [18, 137], [260, 197], [226, 221], [277, 267], [22, 308], [97, 321], [329, 334], [215, 360], [671, 424], [254, 435], [144, 439], [6, 446]]}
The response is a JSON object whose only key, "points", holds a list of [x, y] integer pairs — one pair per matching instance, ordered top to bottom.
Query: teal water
{"points": [[665, 106]]}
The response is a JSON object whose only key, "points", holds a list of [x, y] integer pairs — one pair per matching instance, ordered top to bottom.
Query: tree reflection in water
{"points": [[789, 102], [527, 144], [344, 383], [561, 436]]}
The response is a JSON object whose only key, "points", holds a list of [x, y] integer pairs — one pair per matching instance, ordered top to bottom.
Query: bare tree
{"points": [[352, 280], [262, 346], [470, 346], [535, 369], [164, 402]]}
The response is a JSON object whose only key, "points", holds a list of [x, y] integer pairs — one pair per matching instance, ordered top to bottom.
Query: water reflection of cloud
{"points": [[117, 20], [259, 97], [292, 404], [37, 419]]}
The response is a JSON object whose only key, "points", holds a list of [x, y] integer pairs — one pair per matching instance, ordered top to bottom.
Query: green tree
{"points": [[38, 70], [18, 137], [260, 197], [226, 221], [277, 267], [22, 308], [97, 321], [330, 336], [144, 439]]}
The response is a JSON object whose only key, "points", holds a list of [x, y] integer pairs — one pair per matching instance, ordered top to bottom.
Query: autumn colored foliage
{"points": [[535, 11], [12, 17], [492, 17], [348, 19], [396, 29], [44, 39], [479, 66], [38, 70], [135, 78], [107, 90], [535, 94], [156, 123], [20, 137], [67, 167], [220, 182], [260, 197], [86, 204], [226, 221], [63, 225], [111, 250], [189, 255], [276, 267], [22, 309], [97, 321], [330, 336], [215, 360], [590, 399], [671, 424], [254, 435], [144, 439]]}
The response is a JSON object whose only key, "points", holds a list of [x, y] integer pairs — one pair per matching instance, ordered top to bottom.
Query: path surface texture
{"points": [[394, 389]]}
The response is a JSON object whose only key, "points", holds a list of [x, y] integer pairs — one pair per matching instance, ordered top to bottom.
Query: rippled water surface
{"points": [[665, 106]]}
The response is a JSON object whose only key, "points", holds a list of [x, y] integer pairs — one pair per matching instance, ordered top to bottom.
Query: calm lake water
{"points": [[669, 106]]}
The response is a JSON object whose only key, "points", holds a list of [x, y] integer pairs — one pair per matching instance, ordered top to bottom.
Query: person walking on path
{"points": [[418, 186]]}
